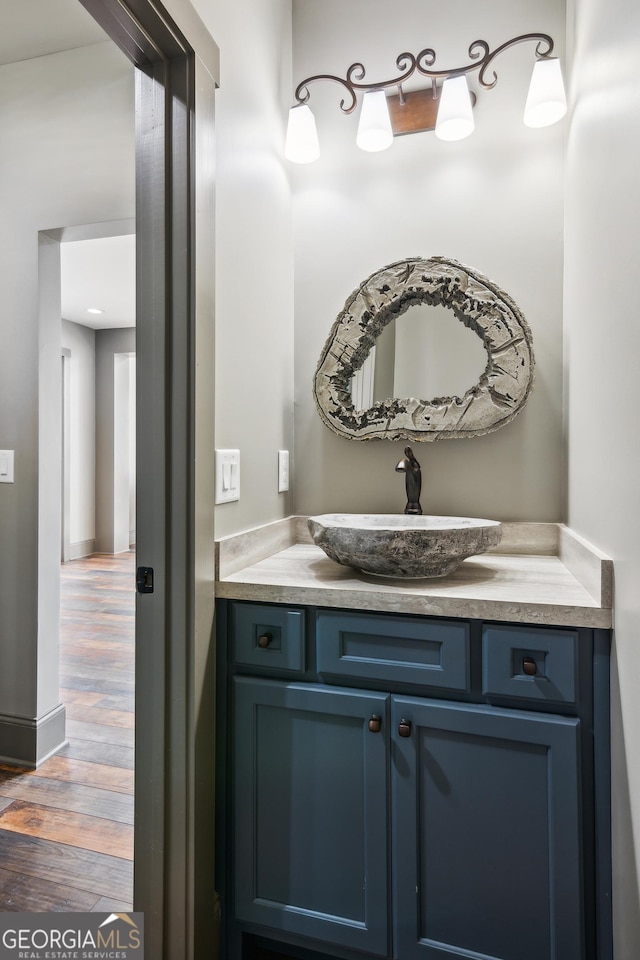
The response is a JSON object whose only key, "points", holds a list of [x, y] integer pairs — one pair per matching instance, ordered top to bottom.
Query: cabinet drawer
{"points": [[271, 637], [414, 651], [530, 664]]}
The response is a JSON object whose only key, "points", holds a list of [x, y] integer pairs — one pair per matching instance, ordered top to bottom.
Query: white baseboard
{"points": [[82, 548], [28, 742]]}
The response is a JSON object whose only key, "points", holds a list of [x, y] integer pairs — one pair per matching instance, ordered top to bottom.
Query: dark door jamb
{"points": [[165, 334]]}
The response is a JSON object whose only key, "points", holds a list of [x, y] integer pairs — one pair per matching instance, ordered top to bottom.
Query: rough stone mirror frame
{"points": [[478, 303]]}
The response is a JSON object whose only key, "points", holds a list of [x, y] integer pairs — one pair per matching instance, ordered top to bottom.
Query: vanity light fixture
{"points": [[546, 101], [445, 106], [455, 112], [374, 126], [302, 139], [94, 310]]}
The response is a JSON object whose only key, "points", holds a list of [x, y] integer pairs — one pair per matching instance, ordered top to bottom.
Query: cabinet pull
{"points": [[264, 640], [529, 666], [375, 723], [404, 728]]}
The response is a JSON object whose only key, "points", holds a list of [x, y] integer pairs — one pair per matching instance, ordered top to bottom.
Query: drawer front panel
{"points": [[270, 637], [403, 650], [530, 664]]}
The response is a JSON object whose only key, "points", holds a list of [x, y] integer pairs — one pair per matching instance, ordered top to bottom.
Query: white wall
{"points": [[67, 123], [493, 201], [254, 256], [81, 341], [601, 365]]}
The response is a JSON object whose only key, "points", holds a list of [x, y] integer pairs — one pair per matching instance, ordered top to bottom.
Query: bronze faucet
{"points": [[413, 480]]}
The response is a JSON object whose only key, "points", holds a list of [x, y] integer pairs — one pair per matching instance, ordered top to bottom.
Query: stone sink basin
{"points": [[403, 547]]}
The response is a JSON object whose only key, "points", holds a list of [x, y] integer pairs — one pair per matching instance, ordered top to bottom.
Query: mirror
{"points": [[424, 350]]}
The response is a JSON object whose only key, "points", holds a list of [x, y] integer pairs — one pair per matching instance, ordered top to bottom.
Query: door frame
{"points": [[177, 66], [65, 413]]}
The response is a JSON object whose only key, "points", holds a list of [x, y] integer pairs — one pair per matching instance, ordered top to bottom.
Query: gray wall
{"points": [[67, 123], [493, 201], [254, 252], [602, 355], [112, 439], [102, 468]]}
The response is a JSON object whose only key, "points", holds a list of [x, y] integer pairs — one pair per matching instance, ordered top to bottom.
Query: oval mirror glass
{"points": [[424, 352]]}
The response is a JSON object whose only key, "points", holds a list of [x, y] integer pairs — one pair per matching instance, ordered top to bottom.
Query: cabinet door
{"points": [[310, 795], [487, 856]]}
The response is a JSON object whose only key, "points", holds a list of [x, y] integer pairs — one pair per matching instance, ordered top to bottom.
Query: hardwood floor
{"points": [[66, 829]]}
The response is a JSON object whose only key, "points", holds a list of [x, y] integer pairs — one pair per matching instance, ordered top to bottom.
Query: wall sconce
{"points": [[446, 106], [301, 145]]}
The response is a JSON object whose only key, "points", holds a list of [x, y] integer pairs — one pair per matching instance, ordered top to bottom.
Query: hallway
{"points": [[66, 829]]}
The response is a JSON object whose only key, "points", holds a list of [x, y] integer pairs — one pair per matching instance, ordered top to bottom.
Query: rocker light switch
{"points": [[6, 466], [283, 470], [227, 476]]}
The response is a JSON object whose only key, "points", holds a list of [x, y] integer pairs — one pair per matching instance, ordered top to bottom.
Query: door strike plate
{"points": [[144, 579]]}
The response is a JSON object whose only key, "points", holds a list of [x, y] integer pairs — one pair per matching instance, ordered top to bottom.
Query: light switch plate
{"points": [[6, 466], [283, 471], [227, 476]]}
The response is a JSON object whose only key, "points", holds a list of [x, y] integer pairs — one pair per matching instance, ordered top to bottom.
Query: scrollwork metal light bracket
{"points": [[417, 110]]}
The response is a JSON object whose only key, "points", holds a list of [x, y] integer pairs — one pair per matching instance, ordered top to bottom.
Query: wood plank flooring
{"points": [[66, 829]]}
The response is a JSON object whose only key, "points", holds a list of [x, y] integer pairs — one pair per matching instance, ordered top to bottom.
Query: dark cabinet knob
{"points": [[264, 640], [529, 666], [375, 724], [404, 728]]}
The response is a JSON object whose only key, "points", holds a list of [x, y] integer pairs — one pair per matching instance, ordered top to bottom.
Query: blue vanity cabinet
{"points": [[311, 786], [411, 788], [486, 813]]}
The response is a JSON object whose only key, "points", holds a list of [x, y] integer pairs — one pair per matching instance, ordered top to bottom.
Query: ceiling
{"points": [[35, 28], [95, 273], [99, 274]]}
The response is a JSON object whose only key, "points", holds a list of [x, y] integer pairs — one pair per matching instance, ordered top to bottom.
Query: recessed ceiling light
{"points": [[94, 310]]}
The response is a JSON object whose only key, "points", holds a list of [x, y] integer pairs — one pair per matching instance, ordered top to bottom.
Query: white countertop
{"points": [[566, 583]]}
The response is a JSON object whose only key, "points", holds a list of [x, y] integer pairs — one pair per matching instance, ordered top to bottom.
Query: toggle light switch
{"points": [[6, 466], [227, 476]]}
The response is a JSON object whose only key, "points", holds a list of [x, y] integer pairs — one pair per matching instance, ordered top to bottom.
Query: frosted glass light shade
{"points": [[546, 100], [455, 112], [374, 127], [301, 144]]}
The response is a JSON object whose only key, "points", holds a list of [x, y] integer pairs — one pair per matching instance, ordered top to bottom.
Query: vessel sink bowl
{"points": [[403, 547]]}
